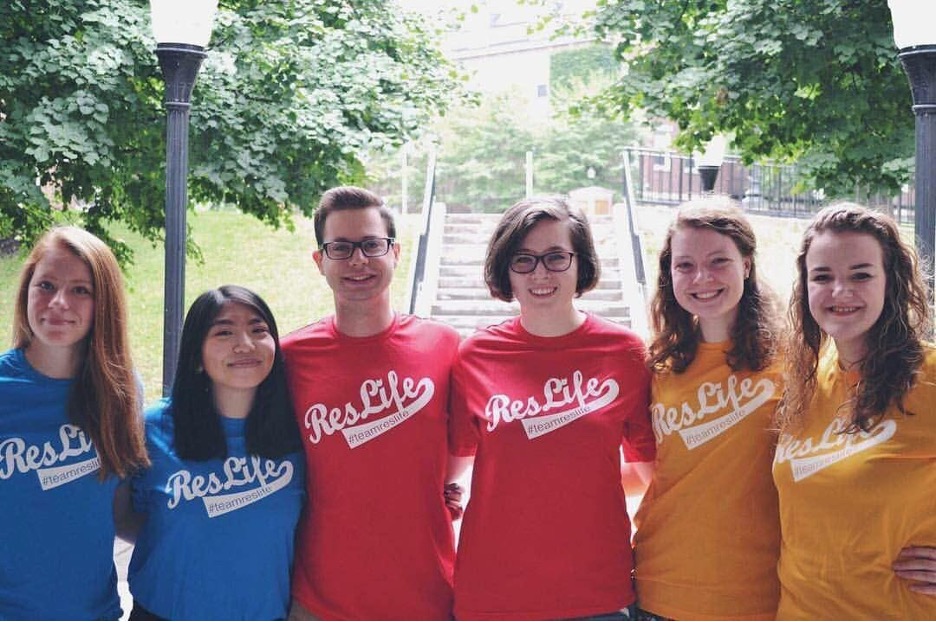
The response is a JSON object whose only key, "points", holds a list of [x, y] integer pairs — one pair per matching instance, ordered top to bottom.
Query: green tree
{"points": [[816, 81], [290, 95], [579, 140], [482, 153], [482, 161]]}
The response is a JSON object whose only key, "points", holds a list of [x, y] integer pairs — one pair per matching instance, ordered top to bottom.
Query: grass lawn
{"points": [[237, 249], [278, 265]]}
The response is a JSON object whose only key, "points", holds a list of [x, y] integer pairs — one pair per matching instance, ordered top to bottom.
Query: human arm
{"points": [[458, 467], [635, 477], [127, 521], [917, 564]]}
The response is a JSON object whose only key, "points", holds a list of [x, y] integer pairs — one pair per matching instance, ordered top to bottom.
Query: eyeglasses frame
{"points": [[357, 245], [540, 259]]}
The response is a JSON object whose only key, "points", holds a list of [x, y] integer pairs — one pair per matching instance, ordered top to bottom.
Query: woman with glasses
{"points": [[545, 401]]}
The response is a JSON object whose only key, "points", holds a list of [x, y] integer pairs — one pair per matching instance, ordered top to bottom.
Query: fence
{"points": [[775, 189]]}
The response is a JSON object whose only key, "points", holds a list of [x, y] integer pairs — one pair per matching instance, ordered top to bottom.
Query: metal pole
{"points": [[919, 62], [180, 64], [708, 173], [404, 189]]}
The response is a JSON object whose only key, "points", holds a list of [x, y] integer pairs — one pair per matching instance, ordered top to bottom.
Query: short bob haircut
{"points": [[345, 198], [513, 228], [105, 398], [271, 429]]}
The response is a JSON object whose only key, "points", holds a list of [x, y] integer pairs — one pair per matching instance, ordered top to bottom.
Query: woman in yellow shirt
{"points": [[855, 466], [707, 537]]}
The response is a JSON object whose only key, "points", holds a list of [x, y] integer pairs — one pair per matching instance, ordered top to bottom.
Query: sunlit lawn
{"points": [[237, 249]]}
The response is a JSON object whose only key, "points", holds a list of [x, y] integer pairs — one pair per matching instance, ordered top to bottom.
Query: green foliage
{"points": [[567, 66], [817, 81], [290, 95], [482, 148], [482, 154]]}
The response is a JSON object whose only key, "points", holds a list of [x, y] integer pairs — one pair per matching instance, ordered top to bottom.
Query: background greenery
{"points": [[812, 81], [289, 99], [277, 264]]}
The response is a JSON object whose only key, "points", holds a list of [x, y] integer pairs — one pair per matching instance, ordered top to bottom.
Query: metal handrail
{"points": [[418, 266]]}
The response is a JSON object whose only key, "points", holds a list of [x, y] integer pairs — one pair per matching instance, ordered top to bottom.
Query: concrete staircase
{"points": [[455, 292]]}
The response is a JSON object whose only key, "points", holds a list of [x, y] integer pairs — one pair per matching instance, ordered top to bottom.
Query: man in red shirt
{"points": [[370, 389]]}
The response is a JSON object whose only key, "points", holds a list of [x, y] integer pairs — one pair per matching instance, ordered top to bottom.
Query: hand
{"points": [[453, 494], [918, 565]]}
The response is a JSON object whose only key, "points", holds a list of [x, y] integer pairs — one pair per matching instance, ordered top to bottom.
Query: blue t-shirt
{"points": [[56, 516], [218, 538]]}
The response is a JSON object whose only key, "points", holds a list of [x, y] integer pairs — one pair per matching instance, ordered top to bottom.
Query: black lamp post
{"points": [[182, 29], [916, 42], [710, 163]]}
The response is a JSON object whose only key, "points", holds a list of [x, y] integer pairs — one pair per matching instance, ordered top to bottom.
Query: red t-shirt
{"points": [[546, 533], [376, 540]]}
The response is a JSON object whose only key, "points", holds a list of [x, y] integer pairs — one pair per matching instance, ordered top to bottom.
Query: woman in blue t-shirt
{"points": [[70, 427], [216, 511]]}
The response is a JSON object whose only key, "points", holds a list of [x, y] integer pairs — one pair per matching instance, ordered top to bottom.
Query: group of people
{"points": [[789, 468]]}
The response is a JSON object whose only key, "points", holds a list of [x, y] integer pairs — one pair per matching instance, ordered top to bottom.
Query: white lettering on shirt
{"points": [[559, 394], [741, 397], [395, 400], [16, 456], [809, 456], [263, 476]]}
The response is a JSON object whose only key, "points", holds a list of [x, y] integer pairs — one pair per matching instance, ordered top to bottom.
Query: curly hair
{"points": [[676, 332], [895, 347]]}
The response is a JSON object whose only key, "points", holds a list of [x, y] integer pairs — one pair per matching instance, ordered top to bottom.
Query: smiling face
{"points": [[708, 273], [359, 278], [846, 288], [543, 291], [60, 302], [238, 350]]}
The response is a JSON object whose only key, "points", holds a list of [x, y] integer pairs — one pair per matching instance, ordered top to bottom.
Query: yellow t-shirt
{"points": [[850, 502], [708, 533]]}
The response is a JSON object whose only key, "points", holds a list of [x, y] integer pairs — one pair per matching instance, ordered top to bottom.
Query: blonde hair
{"points": [[105, 398]]}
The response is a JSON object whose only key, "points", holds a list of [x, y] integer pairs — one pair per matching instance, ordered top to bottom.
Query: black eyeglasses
{"points": [[371, 247], [556, 261]]}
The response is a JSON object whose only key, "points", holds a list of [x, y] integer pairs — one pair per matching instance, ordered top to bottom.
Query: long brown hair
{"points": [[676, 333], [895, 348], [105, 398]]}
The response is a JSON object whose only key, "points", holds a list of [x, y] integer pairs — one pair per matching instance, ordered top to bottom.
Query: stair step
{"points": [[482, 231], [453, 256], [475, 280], [477, 293], [490, 306]]}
